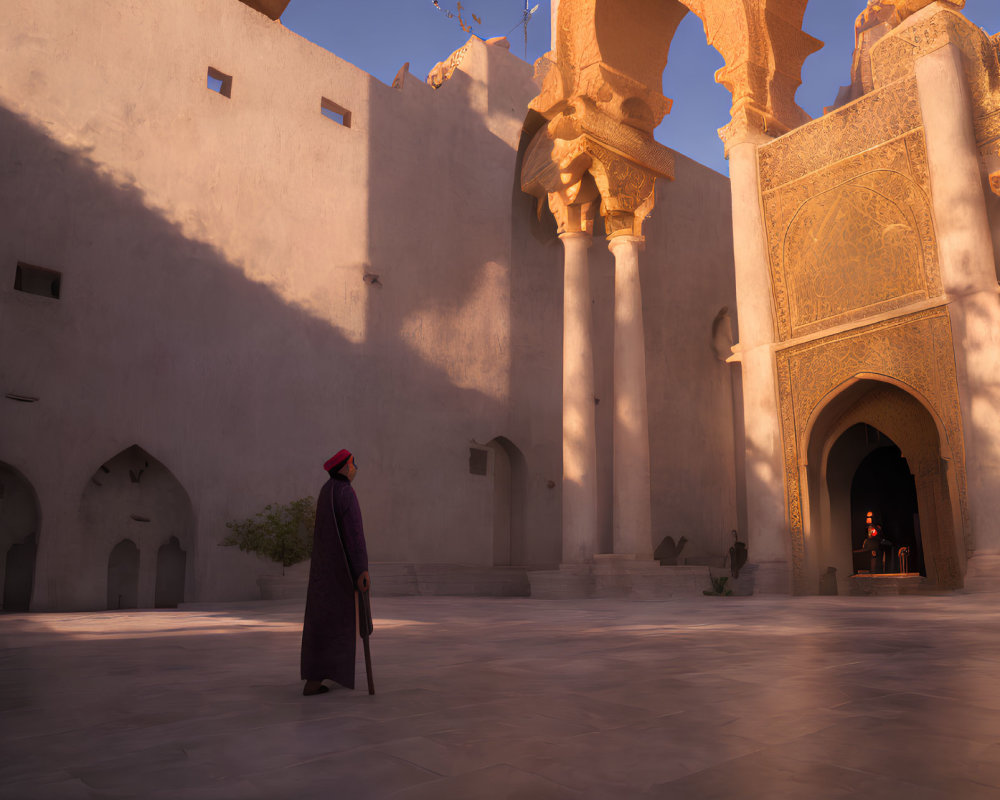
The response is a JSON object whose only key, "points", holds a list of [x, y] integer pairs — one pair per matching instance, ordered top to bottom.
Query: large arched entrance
{"points": [[875, 447], [19, 519]]}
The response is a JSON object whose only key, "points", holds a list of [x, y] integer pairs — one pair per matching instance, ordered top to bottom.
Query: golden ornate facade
{"points": [[853, 254], [914, 352]]}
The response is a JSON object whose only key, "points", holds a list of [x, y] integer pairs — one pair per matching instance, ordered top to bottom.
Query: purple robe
{"points": [[339, 556]]}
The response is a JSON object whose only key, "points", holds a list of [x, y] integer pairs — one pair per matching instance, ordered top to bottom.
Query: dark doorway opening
{"points": [[884, 485], [509, 490], [19, 532], [170, 565], [19, 575], [123, 575]]}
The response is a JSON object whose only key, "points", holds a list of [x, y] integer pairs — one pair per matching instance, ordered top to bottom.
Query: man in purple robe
{"points": [[339, 566]]}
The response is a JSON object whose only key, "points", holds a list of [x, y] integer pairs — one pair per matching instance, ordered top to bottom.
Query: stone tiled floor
{"points": [[513, 698]]}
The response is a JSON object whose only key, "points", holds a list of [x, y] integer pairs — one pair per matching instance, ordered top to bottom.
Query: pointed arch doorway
{"points": [[874, 446], [509, 486]]}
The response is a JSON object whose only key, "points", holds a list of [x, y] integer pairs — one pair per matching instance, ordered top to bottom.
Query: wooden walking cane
{"points": [[365, 627]]}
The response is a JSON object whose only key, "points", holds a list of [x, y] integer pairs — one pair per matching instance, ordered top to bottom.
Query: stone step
{"points": [[631, 579]]}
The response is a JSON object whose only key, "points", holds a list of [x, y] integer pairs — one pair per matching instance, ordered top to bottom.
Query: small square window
{"points": [[219, 82], [337, 113], [37, 280], [478, 459]]}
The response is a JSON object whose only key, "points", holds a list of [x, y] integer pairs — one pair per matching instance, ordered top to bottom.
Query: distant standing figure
{"points": [[878, 544], [737, 556], [339, 566]]}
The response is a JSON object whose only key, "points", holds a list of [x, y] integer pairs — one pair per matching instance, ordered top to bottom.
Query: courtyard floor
{"points": [[513, 698]]}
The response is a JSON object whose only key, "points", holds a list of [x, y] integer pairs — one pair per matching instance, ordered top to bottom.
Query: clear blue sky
{"points": [[380, 35]]}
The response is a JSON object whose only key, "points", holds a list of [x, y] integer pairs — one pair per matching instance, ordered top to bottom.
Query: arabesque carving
{"points": [[879, 18], [891, 36], [764, 48], [895, 55], [874, 119], [569, 173], [853, 240], [853, 248], [916, 351]]}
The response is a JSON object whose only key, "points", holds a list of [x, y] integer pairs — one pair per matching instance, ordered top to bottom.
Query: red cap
{"points": [[338, 459]]}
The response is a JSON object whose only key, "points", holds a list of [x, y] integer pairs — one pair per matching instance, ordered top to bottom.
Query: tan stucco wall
{"points": [[213, 305]]}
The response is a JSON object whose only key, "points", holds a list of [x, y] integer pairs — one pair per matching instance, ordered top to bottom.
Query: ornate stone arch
{"points": [[601, 93], [909, 420]]}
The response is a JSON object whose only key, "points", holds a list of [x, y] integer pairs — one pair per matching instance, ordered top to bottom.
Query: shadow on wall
{"points": [[459, 263], [536, 320], [156, 338]]}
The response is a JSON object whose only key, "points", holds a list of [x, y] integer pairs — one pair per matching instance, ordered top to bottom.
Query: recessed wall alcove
{"points": [[875, 446], [509, 489], [137, 518], [19, 522]]}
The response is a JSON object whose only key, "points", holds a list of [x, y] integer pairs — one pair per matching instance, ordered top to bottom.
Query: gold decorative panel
{"points": [[841, 134], [853, 240], [915, 351]]}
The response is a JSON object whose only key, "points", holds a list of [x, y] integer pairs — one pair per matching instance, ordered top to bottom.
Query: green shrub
{"points": [[281, 532], [718, 587]]}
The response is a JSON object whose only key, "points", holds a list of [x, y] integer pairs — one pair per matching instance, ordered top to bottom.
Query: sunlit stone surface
{"points": [[707, 698]]}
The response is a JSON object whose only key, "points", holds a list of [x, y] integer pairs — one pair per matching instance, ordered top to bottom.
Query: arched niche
{"points": [[855, 422], [509, 491], [133, 496], [19, 523]]}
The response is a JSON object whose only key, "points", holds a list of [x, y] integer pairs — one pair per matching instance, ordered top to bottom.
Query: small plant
{"points": [[281, 532], [718, 586]]}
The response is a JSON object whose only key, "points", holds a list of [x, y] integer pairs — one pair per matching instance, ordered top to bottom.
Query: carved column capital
{"points": [[750, 123], [574, 173], [627, 191], [574, 216]]}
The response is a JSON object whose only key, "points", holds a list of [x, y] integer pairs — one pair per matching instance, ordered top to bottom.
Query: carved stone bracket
{"points": [[764, 47], [750, 124], [582, 147]]}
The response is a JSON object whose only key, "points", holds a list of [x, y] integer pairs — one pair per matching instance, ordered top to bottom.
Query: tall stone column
{"points": [[968, 274], [579, 481], [632, 524], [768, 534]]}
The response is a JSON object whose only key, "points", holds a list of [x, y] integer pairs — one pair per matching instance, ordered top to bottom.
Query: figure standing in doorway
{"points": [[879, 545], [339, 567]]}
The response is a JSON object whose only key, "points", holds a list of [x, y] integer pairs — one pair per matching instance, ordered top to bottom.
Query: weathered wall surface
{"points": [[219, 305]]}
